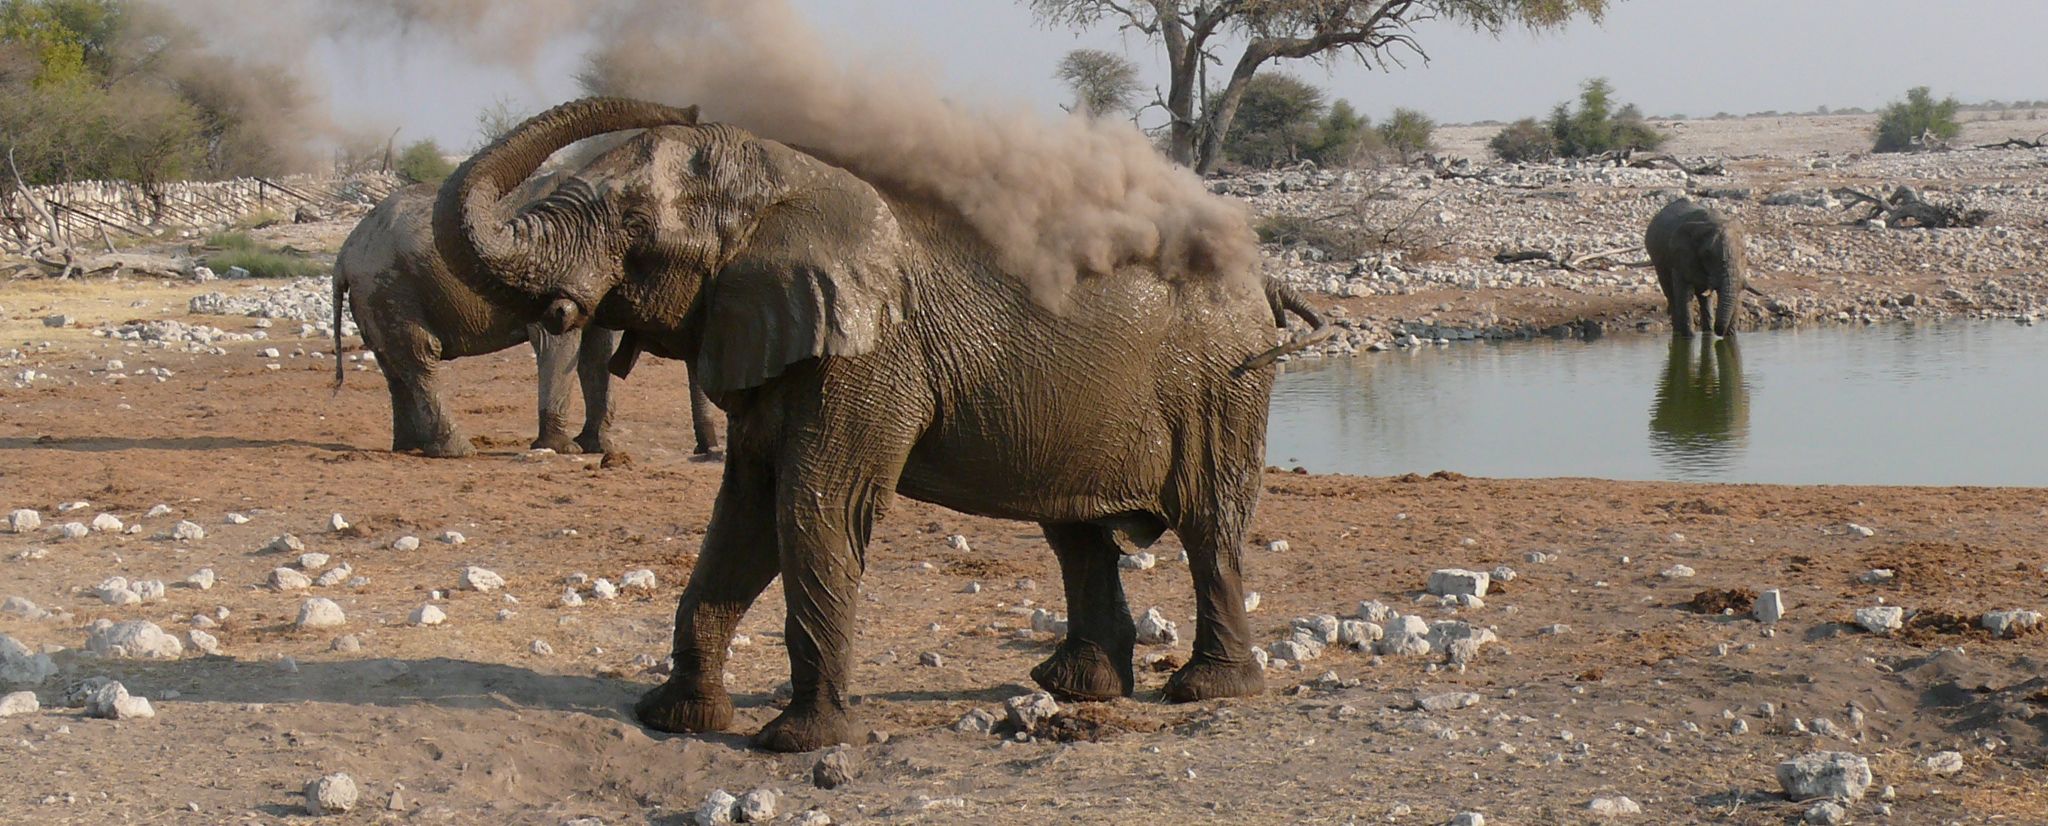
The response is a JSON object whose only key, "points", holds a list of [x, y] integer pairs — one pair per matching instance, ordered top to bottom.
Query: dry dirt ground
{"points": [[1635, 696]]}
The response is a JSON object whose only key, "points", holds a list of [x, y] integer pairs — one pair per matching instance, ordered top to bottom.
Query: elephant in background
{"points": [[1697, 250], [414, 314], [865, 343], [1700, 419]]}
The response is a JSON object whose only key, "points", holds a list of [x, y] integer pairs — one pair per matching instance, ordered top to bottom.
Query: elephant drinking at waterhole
{"points": [[1697, 251], [864, 342]]}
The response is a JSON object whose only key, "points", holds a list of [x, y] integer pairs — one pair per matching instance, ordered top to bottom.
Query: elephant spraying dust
{"points": [[1697, 251], [414, 314], [864, 342]]}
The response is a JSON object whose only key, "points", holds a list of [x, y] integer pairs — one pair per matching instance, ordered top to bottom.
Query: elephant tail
{"points": [[340, 298], [1283, 300]]}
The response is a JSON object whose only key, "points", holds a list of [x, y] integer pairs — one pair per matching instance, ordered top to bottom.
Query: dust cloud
{"points": [[1056, 197]]}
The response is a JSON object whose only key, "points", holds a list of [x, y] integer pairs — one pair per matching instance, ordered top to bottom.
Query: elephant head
{"points": [[740, 254]]}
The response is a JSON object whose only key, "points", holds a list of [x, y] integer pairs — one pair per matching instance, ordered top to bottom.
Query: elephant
{"points": [[1697, 250], [414, 314], [866, 343], [1700, 418]]}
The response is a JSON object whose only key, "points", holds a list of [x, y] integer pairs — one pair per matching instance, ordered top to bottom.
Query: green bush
{"points": [[1277, 121], [1903, 122], [1594, 127], [1408, 133], [1524, 141], [423, 163], [237, 249]]}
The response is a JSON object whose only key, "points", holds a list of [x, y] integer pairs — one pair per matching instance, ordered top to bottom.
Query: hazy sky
{"points": [[1667, 56]]}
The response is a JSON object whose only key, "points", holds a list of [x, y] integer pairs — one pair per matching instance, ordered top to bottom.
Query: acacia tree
{"points": [[1375, 32], [1103, 83]]}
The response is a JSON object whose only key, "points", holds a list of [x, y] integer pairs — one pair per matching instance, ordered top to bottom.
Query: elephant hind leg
{"points": [[407, 432], [1221, 499], [737, 562], [1094, 661]]}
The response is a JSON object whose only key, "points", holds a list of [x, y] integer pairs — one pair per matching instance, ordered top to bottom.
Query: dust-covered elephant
{"points": [[1697, 251], [414, 315], [865, 342]]}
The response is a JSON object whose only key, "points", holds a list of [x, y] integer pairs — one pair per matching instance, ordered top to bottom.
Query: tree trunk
{"points": [[1184, 62], [1217, 118]]}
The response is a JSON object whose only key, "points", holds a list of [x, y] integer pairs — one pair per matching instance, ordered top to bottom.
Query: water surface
{"points": [[1961, 403]]}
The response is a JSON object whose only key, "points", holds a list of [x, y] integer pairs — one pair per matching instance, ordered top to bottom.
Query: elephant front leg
{"points": [[1706, 312], [555, 356], [592, 373], [705, 431], [824, 526], [738, 560], [1094, 661]]}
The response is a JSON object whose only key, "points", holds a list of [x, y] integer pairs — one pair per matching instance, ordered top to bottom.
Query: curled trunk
{"points": [[486, 251]]}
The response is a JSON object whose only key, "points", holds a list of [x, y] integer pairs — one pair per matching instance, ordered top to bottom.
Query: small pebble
{"points": [[406, 543]]}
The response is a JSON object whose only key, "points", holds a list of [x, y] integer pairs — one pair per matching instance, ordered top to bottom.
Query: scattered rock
{"points": [[158, 510], [235, 519], [24, 521], [107, 523], [337, 524], [73, 530], [1859, 530], [187, 531], [453, 537], [406, 543], [958, 543], [284, 544], [1278, 546], [312, 561], [1140, 561], [1677, 572], [334, 576], [1878, 576], [202, 579], [286, 579], [479, 579], [637, 580], [1458, 581], [114, 590], [148, 591], [570, 598], [1251, 602], [1770, 607], [22, 609], [1375, 611], [320, 612], [427, 615], [1881, 619], [2010, 623], [1155, 629], [1359, 634], [134, 639], [203, 642], [346, 644], [541, 648], [21, 666], [109, 700], [19, 702], [1447, 702], [1030, 710], [978, 721], [1944, 764], [837, 768], [1833, 775], [333, 794], [757, 806], [1617, 806], [717, 808], [1826, 813], [1467, 819]]}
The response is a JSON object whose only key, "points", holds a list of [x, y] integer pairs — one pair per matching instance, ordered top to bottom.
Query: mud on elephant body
{"points": [[1697, 251], [414, 314], [864, 343]]}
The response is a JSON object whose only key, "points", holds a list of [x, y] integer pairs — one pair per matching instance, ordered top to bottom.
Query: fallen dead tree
{"points": [[2017, 143], [1905, 208], [1570, 261]]}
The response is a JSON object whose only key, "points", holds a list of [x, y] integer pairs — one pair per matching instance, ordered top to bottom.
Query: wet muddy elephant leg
{"points": [[555, 357], [591, 360], [413, 367], [703, 428], [407, 431], [442, 439], [1213, 533], [738, 560], [1094, 661]]}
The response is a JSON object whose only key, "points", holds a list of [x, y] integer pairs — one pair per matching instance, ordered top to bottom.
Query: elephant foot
{"points": [[557, 442], [593, 443], [452, 447], [705, 448], [714, 455], [1082, 671], [1206, 679], [678, 707], [807, 726]]}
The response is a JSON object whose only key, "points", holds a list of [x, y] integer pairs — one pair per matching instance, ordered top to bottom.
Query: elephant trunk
{"points": [[469, 231], [1726, 300]]}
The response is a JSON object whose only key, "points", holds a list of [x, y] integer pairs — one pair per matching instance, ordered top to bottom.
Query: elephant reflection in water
{"points": [[1700, 422]]}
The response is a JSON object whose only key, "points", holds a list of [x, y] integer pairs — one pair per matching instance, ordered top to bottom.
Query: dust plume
{"points": [[1057, 198]]}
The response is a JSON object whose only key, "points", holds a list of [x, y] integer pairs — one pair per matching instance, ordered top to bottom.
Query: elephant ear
{"points": [[818, 276]]}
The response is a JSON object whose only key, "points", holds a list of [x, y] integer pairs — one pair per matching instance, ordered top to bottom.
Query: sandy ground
{"points": [[1637, 696]]}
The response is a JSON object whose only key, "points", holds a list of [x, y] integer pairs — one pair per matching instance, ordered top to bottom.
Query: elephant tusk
{"points": [[1300, 342]]}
